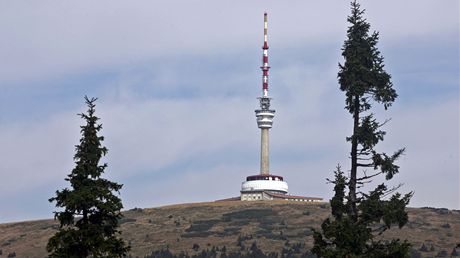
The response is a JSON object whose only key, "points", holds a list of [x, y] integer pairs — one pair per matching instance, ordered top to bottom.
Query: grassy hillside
{"points": [[236, 225]]}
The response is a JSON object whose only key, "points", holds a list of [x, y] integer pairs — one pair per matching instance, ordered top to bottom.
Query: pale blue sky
{"points": [[177, 84]]}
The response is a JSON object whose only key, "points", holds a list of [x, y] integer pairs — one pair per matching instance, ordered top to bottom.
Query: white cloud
{"points": [[50, 39]]}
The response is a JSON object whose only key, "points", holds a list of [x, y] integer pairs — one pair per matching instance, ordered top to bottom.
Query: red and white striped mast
{"points": [[265, 66], [265, 114]]}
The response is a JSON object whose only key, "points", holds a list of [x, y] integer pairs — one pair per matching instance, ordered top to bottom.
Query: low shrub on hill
{"points": [[253, 252]]}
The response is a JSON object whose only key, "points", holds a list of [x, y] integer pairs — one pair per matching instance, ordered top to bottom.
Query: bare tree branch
{"points": [[365, 165], [370, 176], [390, 191]]}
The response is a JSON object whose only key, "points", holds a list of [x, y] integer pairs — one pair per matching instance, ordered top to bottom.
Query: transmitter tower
{"points": [[266, 185]]}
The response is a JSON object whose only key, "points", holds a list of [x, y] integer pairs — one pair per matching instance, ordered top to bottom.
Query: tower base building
{"points": [[270, 187]]}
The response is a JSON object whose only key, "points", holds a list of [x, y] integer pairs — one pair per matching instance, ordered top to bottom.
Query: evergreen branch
{"points": [[384, 122], [368, 177], [392, 190]]}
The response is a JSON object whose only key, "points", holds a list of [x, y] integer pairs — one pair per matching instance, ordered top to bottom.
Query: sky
{"points": [[177, 84]]}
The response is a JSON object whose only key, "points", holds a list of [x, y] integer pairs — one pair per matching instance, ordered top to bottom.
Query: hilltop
{"points": [[235, 225]]}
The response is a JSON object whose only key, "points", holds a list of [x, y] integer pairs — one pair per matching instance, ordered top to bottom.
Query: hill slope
{"points": [[273, 224]]}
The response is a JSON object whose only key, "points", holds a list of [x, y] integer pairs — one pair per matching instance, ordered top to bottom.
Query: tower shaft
{"points": [[264, 152]]}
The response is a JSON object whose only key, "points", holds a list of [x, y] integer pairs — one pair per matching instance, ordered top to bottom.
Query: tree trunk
{"points": [[353, 212], [85, 216]]}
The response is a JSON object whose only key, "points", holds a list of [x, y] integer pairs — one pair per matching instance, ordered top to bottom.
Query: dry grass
{"points": [[272, 224]]}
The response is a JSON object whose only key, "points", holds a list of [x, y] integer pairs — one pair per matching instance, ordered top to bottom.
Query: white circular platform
{"points": [[264, 185]]}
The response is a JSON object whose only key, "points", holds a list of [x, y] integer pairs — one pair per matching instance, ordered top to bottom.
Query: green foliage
{"points": [[337, 206], [90, 211], [358, 217], [343, 237]]}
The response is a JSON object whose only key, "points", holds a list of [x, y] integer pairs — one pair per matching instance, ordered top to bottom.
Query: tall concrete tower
{"points": [[265, 114], [266, 185]]}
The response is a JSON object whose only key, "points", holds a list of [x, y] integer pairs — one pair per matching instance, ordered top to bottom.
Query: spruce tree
{"points": [[88, 211], [358, 217]]}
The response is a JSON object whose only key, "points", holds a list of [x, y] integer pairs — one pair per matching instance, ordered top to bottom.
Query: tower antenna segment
{"points": [[265, 66]]}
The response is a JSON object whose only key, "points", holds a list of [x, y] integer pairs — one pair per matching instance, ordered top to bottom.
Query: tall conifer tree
{"points": [[89, 210], [357, 217]]}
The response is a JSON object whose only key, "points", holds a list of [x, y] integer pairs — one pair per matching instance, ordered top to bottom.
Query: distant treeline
{"points": [[293, 251], [253, 252]]}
